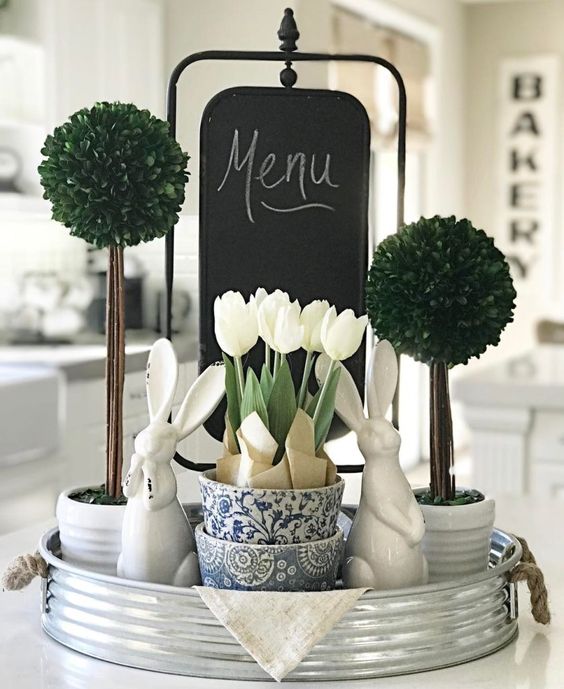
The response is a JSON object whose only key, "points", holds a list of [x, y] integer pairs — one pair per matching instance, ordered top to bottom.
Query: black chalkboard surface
{"points": [[284, 177]]}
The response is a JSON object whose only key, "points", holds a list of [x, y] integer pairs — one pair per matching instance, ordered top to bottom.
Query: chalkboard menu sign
{"points": [[284, 177]]}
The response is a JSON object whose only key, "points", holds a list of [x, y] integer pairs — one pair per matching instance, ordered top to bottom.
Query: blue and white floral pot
{"points": [[269, 516], [248, 567]]}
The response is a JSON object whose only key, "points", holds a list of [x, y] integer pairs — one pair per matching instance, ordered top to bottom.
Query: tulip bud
{"points": [[259, 296], [311, 318], [279, 322], [236, 328], [288, 332], [341, 335]]}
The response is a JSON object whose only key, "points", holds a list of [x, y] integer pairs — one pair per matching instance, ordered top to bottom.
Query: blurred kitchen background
{"points": [[485, 85]]}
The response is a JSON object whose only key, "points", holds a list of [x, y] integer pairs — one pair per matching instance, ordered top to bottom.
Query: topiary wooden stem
{"points": [[110, 313], [115, 368], [441, 443]]}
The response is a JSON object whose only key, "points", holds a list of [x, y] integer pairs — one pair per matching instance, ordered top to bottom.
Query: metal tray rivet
{"points": [[513, 599]]}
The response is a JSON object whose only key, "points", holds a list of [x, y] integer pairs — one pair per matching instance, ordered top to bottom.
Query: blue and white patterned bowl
{"points": [[269, 516], [247, 567]]}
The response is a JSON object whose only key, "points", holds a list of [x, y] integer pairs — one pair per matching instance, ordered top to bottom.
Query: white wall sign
{"points": [[528, 110]]}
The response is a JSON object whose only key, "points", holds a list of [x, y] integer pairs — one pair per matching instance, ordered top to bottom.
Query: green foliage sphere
{"points": [[114, 175], [439, 290]]}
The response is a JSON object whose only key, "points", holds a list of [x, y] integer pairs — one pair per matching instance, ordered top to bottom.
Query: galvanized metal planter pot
{"points": [[168, 629]]}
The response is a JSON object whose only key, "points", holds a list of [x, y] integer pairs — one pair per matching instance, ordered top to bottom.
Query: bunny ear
{"points": [[161, 379], [382, 379], [201, 400], [348, 404]]}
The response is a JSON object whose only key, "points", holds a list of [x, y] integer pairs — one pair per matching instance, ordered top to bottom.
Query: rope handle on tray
{"points": [[25, 568], [528, 570], [21, 571]]}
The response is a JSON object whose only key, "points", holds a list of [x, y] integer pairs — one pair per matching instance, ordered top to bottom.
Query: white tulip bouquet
{"points": [[274, 433]]}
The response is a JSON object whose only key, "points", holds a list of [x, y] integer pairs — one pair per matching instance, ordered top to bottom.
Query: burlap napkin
{"points": [[278, 629]]}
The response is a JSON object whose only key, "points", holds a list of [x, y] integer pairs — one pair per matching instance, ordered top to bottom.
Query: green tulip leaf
{"points": [[266, 382], [253, 400], [312, 406], [281, 408], [233, 410], [327, 410]]}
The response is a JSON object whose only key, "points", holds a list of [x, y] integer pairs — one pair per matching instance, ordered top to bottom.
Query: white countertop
{"points": [[59, 355], [86, 360], [532, 380], [31, 660]]}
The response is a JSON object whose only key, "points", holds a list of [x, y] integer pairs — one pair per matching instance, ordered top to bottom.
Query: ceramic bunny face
{"points": [[377, 435], [158, 441], [157, 540]]}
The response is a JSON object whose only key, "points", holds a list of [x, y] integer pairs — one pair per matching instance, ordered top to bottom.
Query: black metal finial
{"points": [[288, 33]]}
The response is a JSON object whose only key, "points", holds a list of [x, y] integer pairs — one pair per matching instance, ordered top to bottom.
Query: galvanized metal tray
{"points": [[169, 629]]}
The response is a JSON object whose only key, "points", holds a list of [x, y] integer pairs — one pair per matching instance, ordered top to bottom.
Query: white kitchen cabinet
{"points": [[101, 50], [104, 50], [80, 52], [515, 412], [61, 431], [85, 432], [547, 436], [499, 448], [547, 454], [30, 470], [547, 480], [28, 492]]}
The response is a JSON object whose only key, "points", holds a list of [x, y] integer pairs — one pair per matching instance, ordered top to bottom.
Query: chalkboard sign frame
{"points": [[287, 78], [323, 131]]}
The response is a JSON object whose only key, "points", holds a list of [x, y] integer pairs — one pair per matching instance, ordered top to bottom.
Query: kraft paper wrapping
{"points": [[251, 464]]}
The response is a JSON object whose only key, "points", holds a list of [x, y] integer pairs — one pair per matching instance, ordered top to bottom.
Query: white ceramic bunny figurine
{"points": [[157, 540], [383, 548]]}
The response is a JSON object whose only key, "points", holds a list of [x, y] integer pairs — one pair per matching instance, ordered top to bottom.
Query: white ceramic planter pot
{"points": [[90, 534], [457, 539]]}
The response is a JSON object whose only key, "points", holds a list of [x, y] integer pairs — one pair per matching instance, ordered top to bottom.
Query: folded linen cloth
{"points": [[278, 629]]}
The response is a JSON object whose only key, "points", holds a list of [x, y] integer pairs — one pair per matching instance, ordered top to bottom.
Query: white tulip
{"points": [[259, 296], [267, 312], [311, 318], [279, 322], [236, 328], [288, 332], [341, 335]]}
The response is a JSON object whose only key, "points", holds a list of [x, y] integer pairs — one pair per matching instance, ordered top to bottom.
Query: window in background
{"points": [[376, 89]]}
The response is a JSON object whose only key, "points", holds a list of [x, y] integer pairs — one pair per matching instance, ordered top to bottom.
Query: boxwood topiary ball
{"points": [[114, 175], [439, 290]]}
